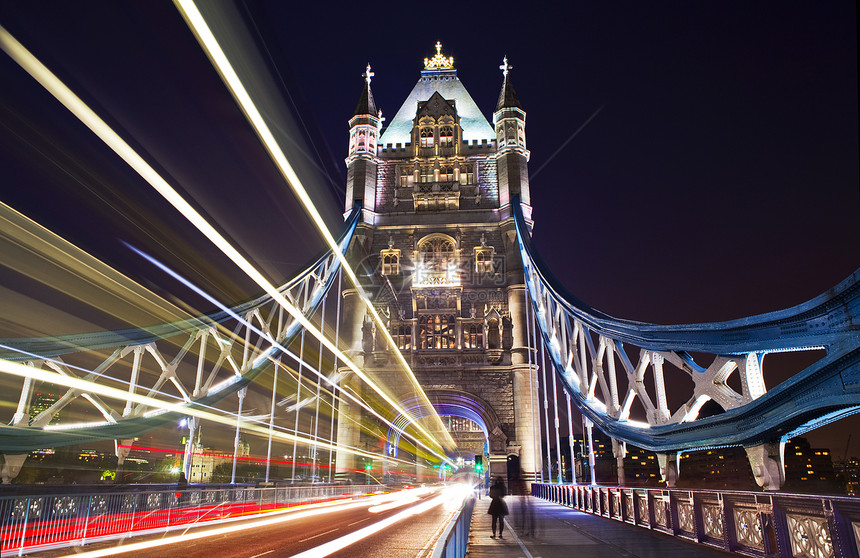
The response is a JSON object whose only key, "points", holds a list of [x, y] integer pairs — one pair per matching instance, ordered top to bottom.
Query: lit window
{"points": [[426, 135], [446, 136], [361, 140], [427, 174], [446, 174], [467, 174], [484, 259], [390, 261], [436, 331], [402, 335], [473, 336]]}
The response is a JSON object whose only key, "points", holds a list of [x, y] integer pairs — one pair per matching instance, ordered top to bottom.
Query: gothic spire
{"points": [[507, 97], [366, 104]]}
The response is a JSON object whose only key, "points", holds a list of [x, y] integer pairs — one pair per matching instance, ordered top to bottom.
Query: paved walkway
{"points": [[561, 532]]}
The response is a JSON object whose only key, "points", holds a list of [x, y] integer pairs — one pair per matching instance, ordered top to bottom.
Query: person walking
{"points": [[498, 509]]}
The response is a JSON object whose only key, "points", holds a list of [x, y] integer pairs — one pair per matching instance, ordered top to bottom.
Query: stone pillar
{"points": [[348, 413], [526, 417], [589, 428], [619, 449], [767, 462], [12, 464], [670, 464]]}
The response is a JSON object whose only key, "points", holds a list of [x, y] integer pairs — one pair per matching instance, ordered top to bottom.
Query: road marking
{"points": [[357, 522], [321, 534], [519, 542], [262, 553]]}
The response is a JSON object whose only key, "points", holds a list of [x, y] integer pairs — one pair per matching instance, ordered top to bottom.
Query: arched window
{"points": [[426, 135], [446, 136], [361, 140], [436, 254], [484, 259], [391, 262], [437, 262], [437, 331], [402, 335], [473, 336]]}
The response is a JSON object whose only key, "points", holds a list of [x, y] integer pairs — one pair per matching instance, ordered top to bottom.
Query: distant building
{"points": [[41, 402], [719, 468], [808, 469], [848, 471]]}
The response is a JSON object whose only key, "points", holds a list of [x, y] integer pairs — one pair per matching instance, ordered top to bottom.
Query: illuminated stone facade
{"points": [[437, 245]]}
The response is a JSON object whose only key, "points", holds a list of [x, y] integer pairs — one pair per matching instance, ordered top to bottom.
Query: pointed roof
{"points": [[438, 76], [507, 96], [366, 104]]}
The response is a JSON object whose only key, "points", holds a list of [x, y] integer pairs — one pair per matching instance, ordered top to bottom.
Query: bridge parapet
{"points": [[748, 523]]}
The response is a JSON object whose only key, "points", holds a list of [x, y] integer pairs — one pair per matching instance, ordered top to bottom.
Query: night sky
{"points": [[718, 178]]}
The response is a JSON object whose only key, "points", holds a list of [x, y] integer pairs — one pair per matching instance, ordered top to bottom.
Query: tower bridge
{"points": [[430, 334]]}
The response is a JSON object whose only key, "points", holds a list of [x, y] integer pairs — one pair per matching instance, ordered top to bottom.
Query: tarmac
{"points": [[540, 529]]}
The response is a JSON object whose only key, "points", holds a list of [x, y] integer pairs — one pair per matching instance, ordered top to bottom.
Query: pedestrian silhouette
{"points": [[498, 509]]}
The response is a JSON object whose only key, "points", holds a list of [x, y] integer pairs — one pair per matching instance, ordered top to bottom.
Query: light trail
{"points": [[213, 49], [89, 118], [275, 345], [20, 370], [281, 517]]}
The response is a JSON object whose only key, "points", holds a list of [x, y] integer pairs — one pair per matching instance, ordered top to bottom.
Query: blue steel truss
{"points": [[587, 347], [239, 359]]}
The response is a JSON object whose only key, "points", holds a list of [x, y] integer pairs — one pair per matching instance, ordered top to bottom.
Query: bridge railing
{"points": [[49, 521], [749, 523], [455, 539]]}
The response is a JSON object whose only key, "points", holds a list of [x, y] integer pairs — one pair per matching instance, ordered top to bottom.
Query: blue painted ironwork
{"points": [[306, 290], [585, 345]]}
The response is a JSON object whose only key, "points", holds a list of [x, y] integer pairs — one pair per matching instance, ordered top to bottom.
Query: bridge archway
{"points": [[459, 403]]}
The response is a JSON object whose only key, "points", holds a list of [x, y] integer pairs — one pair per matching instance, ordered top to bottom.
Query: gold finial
{"points": [[439, 62], [505, 67], [367, 75]]}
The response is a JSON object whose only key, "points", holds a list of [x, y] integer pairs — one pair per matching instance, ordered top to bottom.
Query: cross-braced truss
{"points": [[607, 365], [165, 371]]}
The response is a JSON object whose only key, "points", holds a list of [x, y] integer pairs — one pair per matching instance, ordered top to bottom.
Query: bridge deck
{"points": [[561, 532]]}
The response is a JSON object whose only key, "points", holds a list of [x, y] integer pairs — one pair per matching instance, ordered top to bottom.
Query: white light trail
{"points": [[213, 49], [86, 115]]}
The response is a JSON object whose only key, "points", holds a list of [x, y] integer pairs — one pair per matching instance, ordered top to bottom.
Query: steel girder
{"points": [[239, 350], [595, 357]]}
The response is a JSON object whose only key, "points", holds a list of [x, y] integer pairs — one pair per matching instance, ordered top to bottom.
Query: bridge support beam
{"points": [[619, 449], [767, 462], [12, 464], [670, 465]]}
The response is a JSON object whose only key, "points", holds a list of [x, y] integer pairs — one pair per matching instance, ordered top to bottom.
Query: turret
{"points": [[509, 120], [362, 159]]}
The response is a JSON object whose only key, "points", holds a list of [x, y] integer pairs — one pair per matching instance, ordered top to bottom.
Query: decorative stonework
{"points": [[748, 528], [810, 536]]}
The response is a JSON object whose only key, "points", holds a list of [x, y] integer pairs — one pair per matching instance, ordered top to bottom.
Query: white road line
{"points": [[357, 522], [321, 534], [519, 542], [262, 553]]}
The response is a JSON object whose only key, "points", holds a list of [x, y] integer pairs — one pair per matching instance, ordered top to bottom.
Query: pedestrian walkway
{"points": [[561, 532]]}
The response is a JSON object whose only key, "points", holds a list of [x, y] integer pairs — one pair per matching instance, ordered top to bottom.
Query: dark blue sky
{"points": [[719, 180]]}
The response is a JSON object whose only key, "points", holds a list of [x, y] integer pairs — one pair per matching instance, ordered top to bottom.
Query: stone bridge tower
{"points": [[437, 246]]}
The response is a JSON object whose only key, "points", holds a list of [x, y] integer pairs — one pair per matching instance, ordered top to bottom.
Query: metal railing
{"points": [[41, 522], [750, 523], [453, 542]]}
